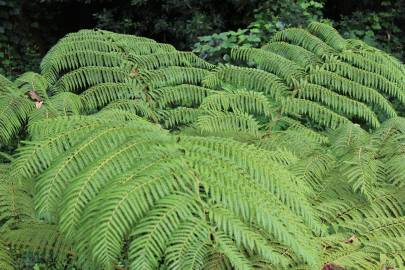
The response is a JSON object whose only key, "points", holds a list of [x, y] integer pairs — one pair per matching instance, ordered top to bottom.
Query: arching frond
{"points": [[328, 34], [304, 39], [266, 60]]}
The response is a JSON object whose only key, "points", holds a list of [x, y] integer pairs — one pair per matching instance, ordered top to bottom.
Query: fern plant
{"points": [[318, 77], [139, 156], [112, 188], [159, 194]]}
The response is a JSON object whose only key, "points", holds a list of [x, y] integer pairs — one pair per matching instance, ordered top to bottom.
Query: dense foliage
{"points": [[28, 28], [125, 153]]}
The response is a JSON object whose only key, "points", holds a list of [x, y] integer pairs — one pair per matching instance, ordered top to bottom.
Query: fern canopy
{"points": [[133, 155]]}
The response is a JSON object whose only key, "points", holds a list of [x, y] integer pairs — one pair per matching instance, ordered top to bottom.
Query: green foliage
{"points": [[270, 17], [377, 27], [140, 156]]}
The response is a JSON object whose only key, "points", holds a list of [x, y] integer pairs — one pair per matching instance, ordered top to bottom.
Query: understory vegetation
{"points": [[126, 153]]}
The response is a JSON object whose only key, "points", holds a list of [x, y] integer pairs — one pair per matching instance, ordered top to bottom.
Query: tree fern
{"points": [[139, 156], [136, 171]]}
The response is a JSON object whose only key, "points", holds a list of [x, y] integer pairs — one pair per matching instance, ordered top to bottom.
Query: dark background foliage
{"points": [[29, 27]]}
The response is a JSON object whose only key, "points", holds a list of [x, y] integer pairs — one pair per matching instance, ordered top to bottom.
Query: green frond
{"points": [[328, 34], [304, 39], [144, 47], [292, 52], [379, 57], [166, 59], [357, 60], [69, 61], [271, 62], [171, 76], [85, 77], [246, 78], [366, 78], [31, 81], [352, 89], [103, 94], [183, 94], [238, 101], [339, 103], [62, 104], [136, 106], [14, 111], [316, 112], [179, 116], [217, 121], [300, 132], [348, 138], [291, 160], [314, 168], [396, 171], [363, 172], [53, 181], [253, 190], [15, 202], [339, 203], [120, 205], [371, 228], [192, 231], [151, 236], [246, 237], [41, 239], [229, 249], [377, 254], [6, 262]]}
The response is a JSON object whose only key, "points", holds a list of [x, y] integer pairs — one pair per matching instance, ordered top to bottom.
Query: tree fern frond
{"points": [[328, 34], [304, 39], [144, 47], [292, 52], [166, 59], [271, 62], [387, 71], [171, 76], [85, 77], [246, 78], [366, 78], [31, 81], [352, 89], [103, 94], [183, 94], [238, 101], [338, 103], [62, 104], [137, 106], [14, 111], [316, 112], [179, 116], [216, 121], [296, 128], [348, 138], [314, 168], [363, 172], [253, 191], [16, 202], [127, 202], [190, 232], [151, 236], [246, 237], [40, 239], [228, 248], [6, 262]]}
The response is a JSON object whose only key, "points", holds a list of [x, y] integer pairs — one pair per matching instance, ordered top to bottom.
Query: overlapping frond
{"points": [[248, 174], [109, 179]]}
